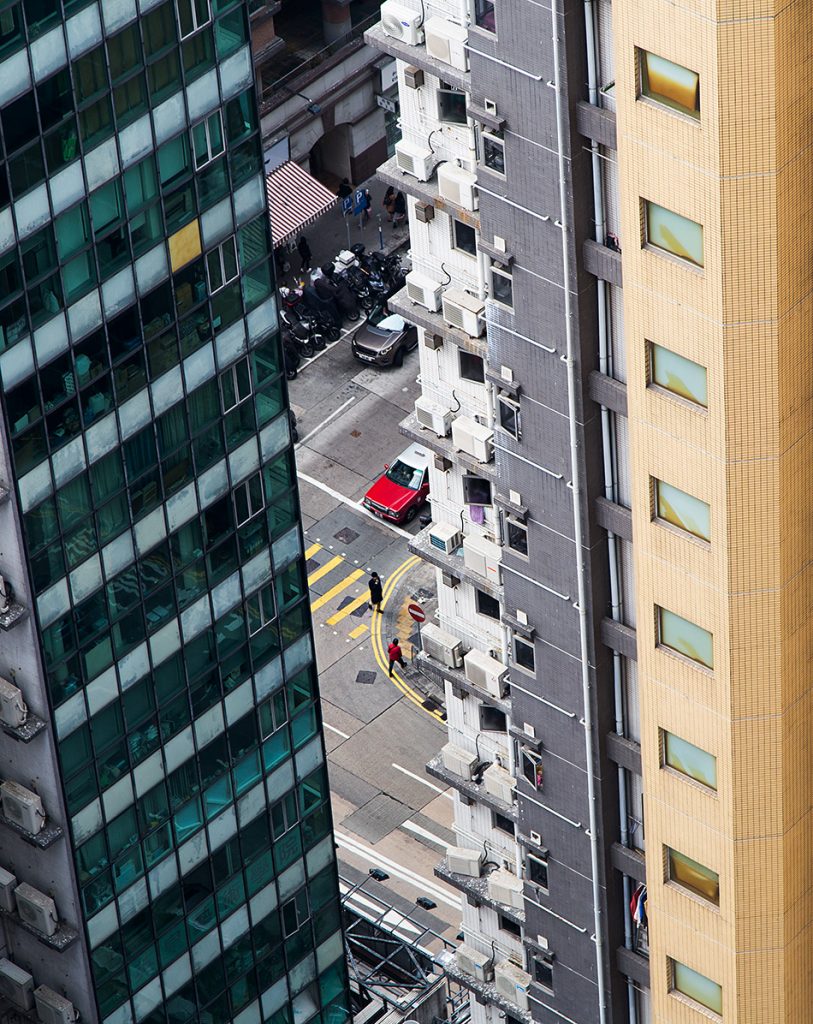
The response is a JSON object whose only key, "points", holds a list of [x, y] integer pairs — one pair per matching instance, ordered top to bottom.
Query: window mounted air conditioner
{"points": [[402, 23], [447, 42], [413, 77], [414, 160], [458, 186], [424, 212], [423, 290], [464, 311], [433, 417], [473, 438], [445, 537], [482, 556], [442, 646], [486, 672], [13, 710], [458, 760], [500, 783], [22, 807], [464, 862], [8, 883], [505, 888], [36, 909], [474, 963], [512, 983], [16, 985], [52, 1008]]}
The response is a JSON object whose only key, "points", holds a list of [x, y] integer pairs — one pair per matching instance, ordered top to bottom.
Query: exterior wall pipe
{"points": [[572, 383]]}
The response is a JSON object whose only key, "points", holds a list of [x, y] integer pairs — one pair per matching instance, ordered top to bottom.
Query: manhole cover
{"points": [[346, 535], [365, 677]]}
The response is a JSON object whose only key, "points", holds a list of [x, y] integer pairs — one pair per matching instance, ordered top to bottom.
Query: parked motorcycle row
{"points": [[312, 315]]}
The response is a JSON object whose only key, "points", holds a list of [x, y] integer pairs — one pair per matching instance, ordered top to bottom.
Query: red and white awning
{"points": [[295, 199]]}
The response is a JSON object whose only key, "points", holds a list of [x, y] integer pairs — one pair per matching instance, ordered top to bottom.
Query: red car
{"points": [[400, 492]]}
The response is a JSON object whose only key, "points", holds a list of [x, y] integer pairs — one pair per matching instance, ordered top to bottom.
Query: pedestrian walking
{"points": [[345, 189], [388, 202], [366, 203], [399, 209], [304, 253], [376, 592], [394, 654]]}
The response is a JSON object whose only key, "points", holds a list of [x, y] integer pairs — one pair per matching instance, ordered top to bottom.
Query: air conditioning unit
{"points": [[402, 23], [447, 42], [413, 77], [414, 160], [458, 186], [424, 212], [423, 290], [464, 311], [432, 341], [433, 417], [473, 438], [445, 537], [482, 556], [449, 579], [442, 646], [486, 672], [13, 710], [458, 760], [500, 783], [22, 807], [463, 861], [8, 883], [503, 887], [36, 909], [474, 963], [512, 983], [16, 985], [52, 1008]]}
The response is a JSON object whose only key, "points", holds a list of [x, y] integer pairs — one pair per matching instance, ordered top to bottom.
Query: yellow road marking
{"points": [[312, 550], [323, 570], [345, 583], [348, 609], [359, 631]]}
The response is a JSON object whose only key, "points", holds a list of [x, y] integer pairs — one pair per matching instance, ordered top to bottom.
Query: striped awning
{"points": [[295, 199]]}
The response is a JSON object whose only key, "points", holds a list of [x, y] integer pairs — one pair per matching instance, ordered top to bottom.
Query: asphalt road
{"points": [[379, 732]]}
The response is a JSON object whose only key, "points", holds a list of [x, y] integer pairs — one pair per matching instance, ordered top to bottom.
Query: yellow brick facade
{"points": [[743, 171]]}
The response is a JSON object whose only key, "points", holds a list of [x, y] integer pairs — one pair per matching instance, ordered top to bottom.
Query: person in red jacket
{"points": [[394, 652]]}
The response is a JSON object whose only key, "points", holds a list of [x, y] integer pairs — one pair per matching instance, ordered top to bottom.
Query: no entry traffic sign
{"points": [[417, 613]]}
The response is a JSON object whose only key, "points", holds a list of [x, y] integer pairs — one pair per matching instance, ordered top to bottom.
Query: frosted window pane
{"points": [[117, 13], [84, 31], [48, 53], [236, 73], [15, 77], [669, 83], [202, 96], [168, 116], [135, 140], [101, 164], [67, 187], [249, 199], [32, 211], [216, 223], [6, 229], [675, 234], [151, 268], [118, 292], [85, 314], [262, 320], [51, 339], [231, 343], [17, 363], [199, 367], [679, 375], [167, 390], [134, 414], [102, 437], [275, 437], [245, 460], [68, 462], [213, 483], [35, 486], [181, 507], [682, 510], [118, 554], [86, 578], [226, 595], [53, 603], [195, 619], [685, 637], [165, 642], [298, 655], [690, 760], [698, 987]]}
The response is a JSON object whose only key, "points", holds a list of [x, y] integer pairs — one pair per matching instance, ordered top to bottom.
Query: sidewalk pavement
{"points": [[327, 236]]}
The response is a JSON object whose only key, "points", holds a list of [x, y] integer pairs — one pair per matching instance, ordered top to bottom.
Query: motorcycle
{"points": [[290, 355]]}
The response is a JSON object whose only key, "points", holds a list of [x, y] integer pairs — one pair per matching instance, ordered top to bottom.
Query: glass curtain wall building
{"points": [[165, 835]]}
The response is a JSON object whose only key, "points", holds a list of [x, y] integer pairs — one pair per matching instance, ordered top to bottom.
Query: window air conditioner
{"points": [[402, 23], [447, 42], [413, 77], [414, 160], [458, 186], [424, 212], [423, 290], [464, 311], [432, 416], [473, 438], [445, 537], [482, 556], [442, 646], [486, 672], [13, 710], [458, 760], [500, 783], [22, 807], [464, 862], [8, 883], [505, 888], [36, 909], [474, 963], [512, 983], [16, 985], [52, 1008]]}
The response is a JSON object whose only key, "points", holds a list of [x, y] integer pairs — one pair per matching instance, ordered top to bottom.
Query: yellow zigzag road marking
{"points": [[312, 550]]}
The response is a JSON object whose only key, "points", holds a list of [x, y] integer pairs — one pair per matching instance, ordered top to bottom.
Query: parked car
{"points": [[384, 338], [400, 492]]}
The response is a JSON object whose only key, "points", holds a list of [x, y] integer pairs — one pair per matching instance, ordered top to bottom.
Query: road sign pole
{"points": [[347, 225], [380, 234]]}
